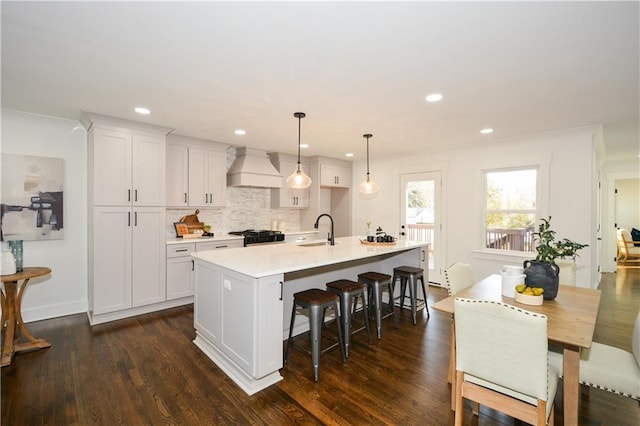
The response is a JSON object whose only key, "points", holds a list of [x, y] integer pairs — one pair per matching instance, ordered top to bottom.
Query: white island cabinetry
{"points": [[243, 298]]}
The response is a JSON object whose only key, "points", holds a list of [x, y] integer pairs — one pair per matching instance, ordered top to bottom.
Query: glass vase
{"points": [[16, 249]]}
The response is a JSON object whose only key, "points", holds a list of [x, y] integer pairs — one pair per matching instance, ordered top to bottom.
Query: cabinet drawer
{"points": [[214, 245], [180, 250]]}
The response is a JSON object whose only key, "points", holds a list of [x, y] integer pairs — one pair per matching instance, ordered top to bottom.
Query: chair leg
{"points": [[413, 295], [377, 302], [365, 303], [345, 320], [338, 328], [459, 409]]}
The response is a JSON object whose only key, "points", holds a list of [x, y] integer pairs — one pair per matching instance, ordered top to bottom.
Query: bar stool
{"points": [[410, 275], [377, 283], [349, 291], [317, 301]]}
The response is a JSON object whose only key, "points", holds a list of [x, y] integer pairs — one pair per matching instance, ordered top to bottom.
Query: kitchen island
{"points": [[244, 297]]}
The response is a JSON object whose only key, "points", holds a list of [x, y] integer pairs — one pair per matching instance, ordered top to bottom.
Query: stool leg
{"points": [[403, 290], [424, 293], [413, 295], [365, 302], [377, 302], [392, 307], [293, 318], [316, 319], [345, 320], [338, 327]]}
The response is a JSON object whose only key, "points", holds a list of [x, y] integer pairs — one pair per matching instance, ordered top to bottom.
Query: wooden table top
{"points": [[27, 272], [571, 316]]}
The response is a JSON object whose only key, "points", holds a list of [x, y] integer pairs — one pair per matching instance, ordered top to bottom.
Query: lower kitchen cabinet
{"points": [[126, 260], [180, 275]]}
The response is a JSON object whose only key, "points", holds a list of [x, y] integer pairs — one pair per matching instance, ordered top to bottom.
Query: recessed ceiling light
{"points": [[434, 97], [142, 110], [486, 131], [240, 132], [304, 145], [349, 154]]}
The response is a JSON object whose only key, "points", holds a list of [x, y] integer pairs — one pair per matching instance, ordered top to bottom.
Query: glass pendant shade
{"points": [[298, 179], [368, 186]]}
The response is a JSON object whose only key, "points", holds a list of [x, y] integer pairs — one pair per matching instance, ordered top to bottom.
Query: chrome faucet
{"points": [[330, 237]]}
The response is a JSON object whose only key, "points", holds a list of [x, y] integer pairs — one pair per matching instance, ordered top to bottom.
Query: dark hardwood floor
{"points": [[147, 371]]}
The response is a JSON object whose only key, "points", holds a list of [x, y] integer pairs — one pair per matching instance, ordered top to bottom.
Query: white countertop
{"points": [[270, 259]]}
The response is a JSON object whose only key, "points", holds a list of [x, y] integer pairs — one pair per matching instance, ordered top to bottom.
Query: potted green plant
{"points": [[544, 271]]}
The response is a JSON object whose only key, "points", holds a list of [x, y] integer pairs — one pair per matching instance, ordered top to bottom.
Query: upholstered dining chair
{"points": [[458, 277], [503, 364], [609, 368]]}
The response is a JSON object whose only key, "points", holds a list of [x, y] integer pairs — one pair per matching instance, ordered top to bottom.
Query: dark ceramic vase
{"points": [[544, 275]]}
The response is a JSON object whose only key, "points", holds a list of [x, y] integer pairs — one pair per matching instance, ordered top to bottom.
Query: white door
{"points": [[421, 216], [149, 256]]}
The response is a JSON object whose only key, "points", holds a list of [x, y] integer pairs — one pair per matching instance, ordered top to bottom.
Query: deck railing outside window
{"points": [[515, 239]]}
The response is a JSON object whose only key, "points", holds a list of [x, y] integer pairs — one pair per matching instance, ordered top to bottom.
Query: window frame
{"points": [[541, 210]]}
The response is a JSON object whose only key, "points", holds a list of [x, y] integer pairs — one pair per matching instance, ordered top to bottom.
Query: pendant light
{"points": [[298, 178], [368, 186]]}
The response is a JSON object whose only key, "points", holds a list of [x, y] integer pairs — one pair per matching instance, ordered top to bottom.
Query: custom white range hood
{"points": [[253, 168]]}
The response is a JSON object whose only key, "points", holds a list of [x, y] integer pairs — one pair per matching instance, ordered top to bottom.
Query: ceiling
{"points": [[208, 68]]}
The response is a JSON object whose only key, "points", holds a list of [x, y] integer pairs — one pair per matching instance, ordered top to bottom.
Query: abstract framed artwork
{"points": [[32, 198]]}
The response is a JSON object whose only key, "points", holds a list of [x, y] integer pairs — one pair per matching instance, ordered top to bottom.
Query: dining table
{"points": [[571, 320]]}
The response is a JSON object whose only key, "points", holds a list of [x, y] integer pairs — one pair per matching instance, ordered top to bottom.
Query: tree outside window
{"points": [[510, 209]]}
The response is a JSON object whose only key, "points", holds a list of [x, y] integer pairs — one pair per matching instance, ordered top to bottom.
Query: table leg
{"points": [[3, 304], [9, 334], [33, 343], [571, 383]]}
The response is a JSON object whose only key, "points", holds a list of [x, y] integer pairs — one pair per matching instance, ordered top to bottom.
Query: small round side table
{"points": [[11, 299]]}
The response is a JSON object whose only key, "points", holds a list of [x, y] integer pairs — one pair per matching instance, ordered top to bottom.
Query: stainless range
{"points": [[253, 236]]}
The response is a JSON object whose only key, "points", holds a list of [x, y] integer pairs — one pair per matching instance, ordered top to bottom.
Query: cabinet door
{"points": [[112, 165], [149, 165], [177, 176], [334, 176], [198, 177], [217, 179], [148, 228], [110, 261], [179, 277], [269, 306]]}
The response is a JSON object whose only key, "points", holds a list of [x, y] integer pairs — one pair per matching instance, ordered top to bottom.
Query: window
{"points": [[510, 209]]}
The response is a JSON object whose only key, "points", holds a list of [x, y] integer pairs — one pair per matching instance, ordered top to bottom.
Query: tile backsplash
{"points": [[247, 208]]}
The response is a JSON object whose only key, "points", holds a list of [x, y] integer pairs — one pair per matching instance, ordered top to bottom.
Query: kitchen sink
{"points": [[314, 244]]}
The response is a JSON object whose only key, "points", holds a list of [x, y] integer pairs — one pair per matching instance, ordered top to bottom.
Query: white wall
{"points": [[570, 194], [65, 291]]}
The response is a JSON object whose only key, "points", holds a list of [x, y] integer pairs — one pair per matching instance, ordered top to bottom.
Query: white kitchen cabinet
{"points": [[127, 167], [196, 172], [177, 175], [335, 176], [207, 178], [286, 197], [127, 259], [180, 276]]}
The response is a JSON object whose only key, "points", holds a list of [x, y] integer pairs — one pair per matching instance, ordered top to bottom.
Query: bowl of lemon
{"points": [[529, 295]]}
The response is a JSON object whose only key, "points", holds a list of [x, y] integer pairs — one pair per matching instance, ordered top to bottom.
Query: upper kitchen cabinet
{"points": [[126, 162], [196, 172], [335, 176], [286, 197]]}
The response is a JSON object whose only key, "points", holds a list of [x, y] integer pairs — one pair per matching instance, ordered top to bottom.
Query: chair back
{"points": [[458, 276], [508, 349]]}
